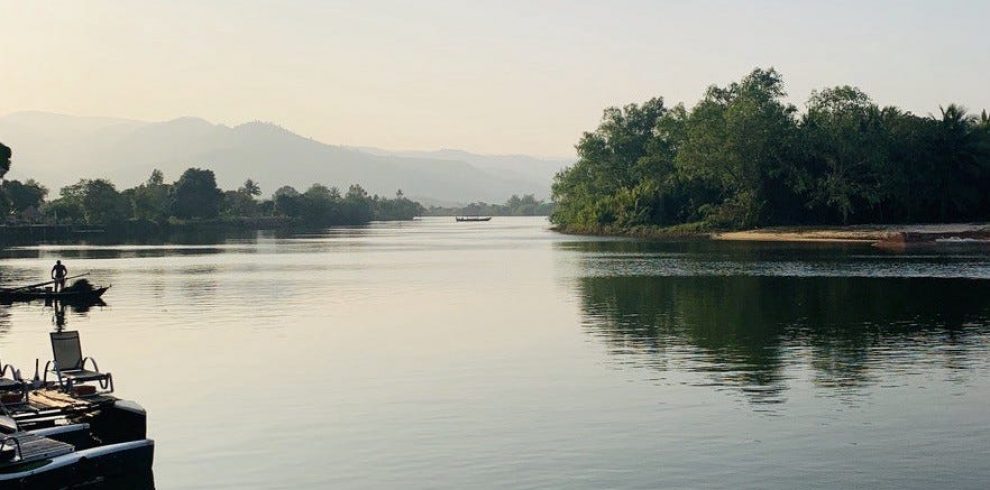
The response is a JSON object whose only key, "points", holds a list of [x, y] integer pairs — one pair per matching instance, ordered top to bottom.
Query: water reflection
{"points": [[689, 258], [59, 319], [4, 321], [754, 334]]}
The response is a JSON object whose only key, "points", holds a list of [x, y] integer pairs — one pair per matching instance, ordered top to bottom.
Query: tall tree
{"points": [[738, 139], [843, 143], [5, 155], [962, 157], [607, 162], [250, 188], [24, 195], [195, 195], [151, 200], [95, 201], [288, 201]]}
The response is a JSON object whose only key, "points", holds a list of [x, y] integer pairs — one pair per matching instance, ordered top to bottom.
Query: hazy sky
{"points": [[494, 77]]}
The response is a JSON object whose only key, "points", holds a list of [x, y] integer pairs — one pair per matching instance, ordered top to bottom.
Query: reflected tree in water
{"points": [[744, 331]]}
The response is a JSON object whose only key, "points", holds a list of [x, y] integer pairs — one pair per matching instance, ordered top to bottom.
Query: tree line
{"points": [[742, 157], [195, 196], [527, 205]]}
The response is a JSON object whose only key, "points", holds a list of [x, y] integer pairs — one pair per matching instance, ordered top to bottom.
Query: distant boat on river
{"points": [[472, 218]]}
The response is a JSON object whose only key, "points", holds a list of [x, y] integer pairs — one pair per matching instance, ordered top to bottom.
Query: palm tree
{"points": [[960, 161], [251, 187]]}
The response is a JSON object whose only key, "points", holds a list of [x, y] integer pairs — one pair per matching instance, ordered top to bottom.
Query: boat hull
{"points": [[67, 297], [112, 461]]}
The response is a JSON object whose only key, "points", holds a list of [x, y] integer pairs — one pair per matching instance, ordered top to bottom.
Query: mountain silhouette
{"points": [[58, 150]]}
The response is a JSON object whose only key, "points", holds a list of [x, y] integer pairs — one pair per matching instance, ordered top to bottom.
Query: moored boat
{"points": [[77, 295], [72, 430], [56, 440], [32, 461]]}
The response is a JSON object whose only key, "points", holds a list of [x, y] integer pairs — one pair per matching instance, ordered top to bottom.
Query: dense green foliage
{"points": [[742, 157], [16, 197], [20, 197], [195, 197], [93, 201], [527, 205], [326, 206]]}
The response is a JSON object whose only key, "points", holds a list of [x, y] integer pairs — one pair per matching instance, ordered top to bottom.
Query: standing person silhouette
{"points": [[59, 272]]}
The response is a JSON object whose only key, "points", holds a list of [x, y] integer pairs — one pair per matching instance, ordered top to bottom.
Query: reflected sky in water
{"points": [[436, 354]]}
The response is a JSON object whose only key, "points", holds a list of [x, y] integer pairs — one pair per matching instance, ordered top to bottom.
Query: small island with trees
{"points": [[743, 158]]}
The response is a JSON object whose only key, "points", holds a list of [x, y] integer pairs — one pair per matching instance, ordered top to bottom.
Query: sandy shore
{"points": [[876, 234]]}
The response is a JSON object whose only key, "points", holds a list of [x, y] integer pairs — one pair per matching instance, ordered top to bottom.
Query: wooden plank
{"points": [[54, 399]]}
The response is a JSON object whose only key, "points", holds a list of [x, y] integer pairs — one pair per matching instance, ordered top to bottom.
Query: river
{"points": [[434, 354]]}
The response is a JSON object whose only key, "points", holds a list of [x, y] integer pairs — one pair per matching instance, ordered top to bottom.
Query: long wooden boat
{"points": [[472, 218], [70, 296], [55, 440]]}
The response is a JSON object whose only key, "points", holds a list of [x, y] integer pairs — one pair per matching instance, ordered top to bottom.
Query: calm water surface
{"points": [[433, 354]]}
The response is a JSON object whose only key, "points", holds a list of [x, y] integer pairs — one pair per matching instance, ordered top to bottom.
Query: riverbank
{"points": [[135, 230], [145, 231], [688, 231], [885, 236]]}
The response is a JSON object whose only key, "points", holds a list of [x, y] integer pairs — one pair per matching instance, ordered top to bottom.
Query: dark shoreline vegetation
{"points": [[743, 158], [195, 197], [192, 203], [527, 205], [156, 210]]}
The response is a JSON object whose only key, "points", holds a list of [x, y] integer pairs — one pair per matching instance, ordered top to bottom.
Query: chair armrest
{"points": [[90, 359], [54, 369], [16, 444]]}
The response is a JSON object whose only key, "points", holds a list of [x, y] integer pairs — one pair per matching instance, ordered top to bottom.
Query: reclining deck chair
{"points": [[69, 364]]}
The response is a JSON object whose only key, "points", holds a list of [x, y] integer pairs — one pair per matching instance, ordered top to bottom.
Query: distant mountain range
{"points": [[58, 150]]}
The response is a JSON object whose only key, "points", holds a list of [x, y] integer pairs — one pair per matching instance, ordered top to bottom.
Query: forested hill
{"points": [[742, 158]]}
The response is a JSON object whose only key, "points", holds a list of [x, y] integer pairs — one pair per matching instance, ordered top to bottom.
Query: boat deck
{"points": [[50, 404], [34, 447]]}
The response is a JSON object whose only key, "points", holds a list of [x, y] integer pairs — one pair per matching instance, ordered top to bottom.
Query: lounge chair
{"points": [[69, 364], [12, 384]]}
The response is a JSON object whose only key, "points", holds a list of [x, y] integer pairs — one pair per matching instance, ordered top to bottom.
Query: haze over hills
{"points": [[58, 150], [523, 167]]}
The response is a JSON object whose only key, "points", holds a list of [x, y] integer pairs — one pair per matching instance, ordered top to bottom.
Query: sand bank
{"points": [[880, 235]]}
